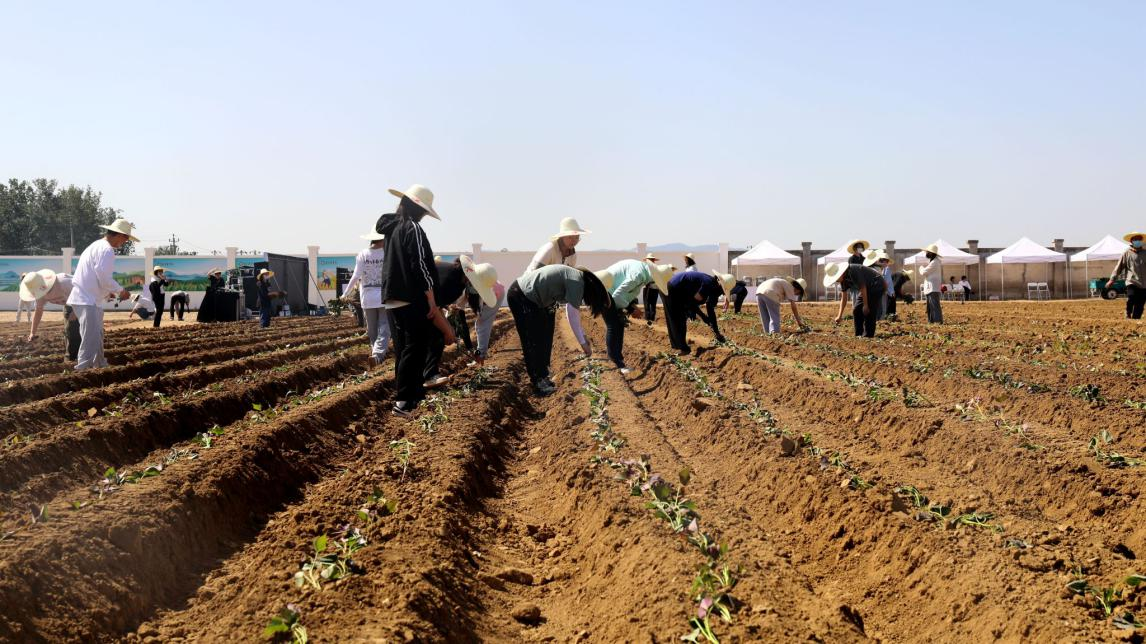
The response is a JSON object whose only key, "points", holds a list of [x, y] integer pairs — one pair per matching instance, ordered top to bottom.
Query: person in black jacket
{"points": [[408, 278], [158, 283], [451, 285], [649, 294], [737, 295]]}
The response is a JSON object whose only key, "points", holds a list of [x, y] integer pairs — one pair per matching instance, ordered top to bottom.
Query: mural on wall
{"points": [[251, 260], [328, 266], [11, 268], [128, 271], [186, 273]]}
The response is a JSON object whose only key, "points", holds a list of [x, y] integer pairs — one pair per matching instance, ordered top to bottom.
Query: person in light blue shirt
{"points": [[624, 281]]}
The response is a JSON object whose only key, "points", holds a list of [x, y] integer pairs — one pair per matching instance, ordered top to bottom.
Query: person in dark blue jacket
{"points": [[686, 291]]}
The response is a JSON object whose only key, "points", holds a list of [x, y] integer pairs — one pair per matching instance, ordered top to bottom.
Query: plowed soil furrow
{"points": [[35, 388], [29, 418], [32, 471], [852, 541]]}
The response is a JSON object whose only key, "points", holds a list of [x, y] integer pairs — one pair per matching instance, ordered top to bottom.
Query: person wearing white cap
{"points": [[877, 259], [690, 264], [1132, 267], [932, 275], [408, 276], [367, 277], [456, 280], [624, 280], [94, 283], [870, 286], [43, 287], [686, 291], [158, 293], [772, 293], [650, 294], [266, 295]]}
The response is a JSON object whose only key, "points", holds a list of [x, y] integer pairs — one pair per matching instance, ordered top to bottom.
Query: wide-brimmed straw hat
{"points": [[420, 195], [122, 226], [568, 228], [373, 236], [1128, 236], [852, 244], [932, 248], [690, 256], [873, 256], [651, 258], [157, 269], [216, 271], [263, 271], [833, 272], [907, 272], [661, 273], [482, 277], [606, 278], [727, 281], [802, 282], [37, 284]]}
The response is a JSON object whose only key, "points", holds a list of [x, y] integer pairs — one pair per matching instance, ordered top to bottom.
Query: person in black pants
{"points": [[1132, 267], [408, 277], [158, 283], [451, 284], [871, 290], [686, 291], [737, 294], [649, 295], [180, 301]]}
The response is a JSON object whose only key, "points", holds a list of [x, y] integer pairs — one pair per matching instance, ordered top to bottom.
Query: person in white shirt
{"points": [[561, 249], [690, 263], [932, 275], [367, 278], [92, 285], [43, 287], [967, 290], [771, 294], [143, 306], [23, 307]]}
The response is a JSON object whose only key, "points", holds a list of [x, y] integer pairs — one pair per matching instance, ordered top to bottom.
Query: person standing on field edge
{"points": [[690, 264], [1132, 267], [408, 275], [932, 275], [92, 285], [44, 287], [158, 295]]}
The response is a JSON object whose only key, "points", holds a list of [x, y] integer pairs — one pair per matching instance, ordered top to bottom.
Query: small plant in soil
{"points": [[1090, 393], [912, 398], [1135, 404], [437, 414], [1098, 445], [402, 448], [375, 507], [976, 520], [330, 566], [286, 627]]}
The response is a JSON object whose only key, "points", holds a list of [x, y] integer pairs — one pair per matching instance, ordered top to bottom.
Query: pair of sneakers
{"points": [[544, 387]]}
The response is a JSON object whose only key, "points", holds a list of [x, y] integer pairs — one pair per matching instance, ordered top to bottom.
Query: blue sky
{"points": [[276, 125]]}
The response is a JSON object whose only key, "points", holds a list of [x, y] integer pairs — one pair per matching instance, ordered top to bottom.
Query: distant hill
{"points": [[684, 248]]}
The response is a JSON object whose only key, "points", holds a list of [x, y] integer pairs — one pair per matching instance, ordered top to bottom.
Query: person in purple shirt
{"points": [[686, 291]]}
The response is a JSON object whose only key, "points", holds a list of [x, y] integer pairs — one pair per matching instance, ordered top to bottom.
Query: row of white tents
{"points": [[1024, 251]]}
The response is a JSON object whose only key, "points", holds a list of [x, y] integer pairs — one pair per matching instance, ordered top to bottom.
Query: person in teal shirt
{"points": [[624, 281]]}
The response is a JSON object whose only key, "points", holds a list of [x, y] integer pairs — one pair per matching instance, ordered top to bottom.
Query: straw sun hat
{"points": [[420, 195], [123, 227], [569, 228], [373, 236], [1128, 236], [852, 244], [932, 248], [873, 256], [651, 258], [157, 270], [263, 271], [833, 272], [661, 273], [482, 277], [606, 278], [727, 281], [802, 282], [37, 284]]}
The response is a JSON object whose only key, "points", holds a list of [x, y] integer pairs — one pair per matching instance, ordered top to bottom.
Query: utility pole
{"points": [[174, 240]]}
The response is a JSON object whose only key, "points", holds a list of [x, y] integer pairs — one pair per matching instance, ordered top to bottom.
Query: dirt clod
{"points": [[516, 576], [527, 614]]}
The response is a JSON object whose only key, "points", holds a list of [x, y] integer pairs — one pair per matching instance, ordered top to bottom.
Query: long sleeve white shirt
{"points": [[550, 255], [368, 273], [932, 275], [93, 280]]}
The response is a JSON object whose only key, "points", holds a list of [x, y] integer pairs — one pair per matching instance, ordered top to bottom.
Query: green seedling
{"points": [[876, 393], [1089, 393], [912, 398], [1135, 404], [1098, 445], [402, 449], [857, 483], [375, 507], [39, 515], [976, 520], [330, 566], [1127, 621], [286, 627]]}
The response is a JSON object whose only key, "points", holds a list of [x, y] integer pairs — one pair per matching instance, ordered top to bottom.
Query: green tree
{"points": [[40, 218]]}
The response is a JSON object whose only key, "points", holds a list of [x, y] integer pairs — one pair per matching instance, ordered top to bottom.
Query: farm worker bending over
{"points": [[561, 249], [878, 259], [1132, 266], [932, 275], [408, 276], [368, 277], [454, 280], [624, 280], [92, 285], [870, 286], [49, 287], [686, 291], [158, 293], [772, 293], [649, 294], [738, 294], [532, 299], [180, 301], [142, 306], [266, 306], [485, 321]]}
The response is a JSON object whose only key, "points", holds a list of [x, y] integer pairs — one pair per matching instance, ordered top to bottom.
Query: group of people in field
{"points": [[415, 301]]}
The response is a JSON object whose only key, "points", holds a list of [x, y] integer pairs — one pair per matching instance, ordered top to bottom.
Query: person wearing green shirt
{"points": [[624, 281]]}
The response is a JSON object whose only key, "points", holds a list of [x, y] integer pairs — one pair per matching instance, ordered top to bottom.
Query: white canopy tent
{"points": [[1107, 248], [1025, 251], [767, 254], [949, 255]]}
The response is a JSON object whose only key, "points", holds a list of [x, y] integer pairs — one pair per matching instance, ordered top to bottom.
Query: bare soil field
{"points": [[971, 481]]}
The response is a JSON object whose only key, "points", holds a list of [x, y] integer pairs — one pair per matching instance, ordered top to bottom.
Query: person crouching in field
{"points": [[625, 280], [45, 287], [870, 288], [686, 291], [772, 293], [266, 297], [533, 298]]}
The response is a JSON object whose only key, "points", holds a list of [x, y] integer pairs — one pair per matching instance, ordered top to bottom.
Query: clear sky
{"points": [[279, 124]]}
